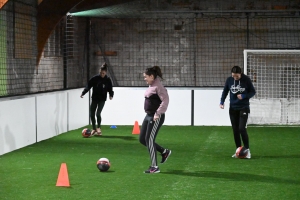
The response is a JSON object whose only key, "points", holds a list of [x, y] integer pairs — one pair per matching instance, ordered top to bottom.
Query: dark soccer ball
{"points": [[86, 133], [242, 152], [103, 164]]}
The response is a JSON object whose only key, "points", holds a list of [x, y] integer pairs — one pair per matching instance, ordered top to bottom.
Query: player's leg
{"points": [[93, 108], [98, 114], [244, 114], [234, 119], [243, 127], [146, 130], [151, 131], [154, 133], [142, 136], [150, 141], [165, 153]]}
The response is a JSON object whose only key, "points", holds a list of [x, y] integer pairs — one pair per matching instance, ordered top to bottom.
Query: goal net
{"points": [[275, 75]]}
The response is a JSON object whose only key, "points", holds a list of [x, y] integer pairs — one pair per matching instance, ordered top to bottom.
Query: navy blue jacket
{"points": [[243, 86], [100, 87]]}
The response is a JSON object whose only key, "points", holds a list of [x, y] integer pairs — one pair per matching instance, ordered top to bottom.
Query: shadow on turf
{"points": [[116, 137], [277, 156], [109, 171], [232, 176]]}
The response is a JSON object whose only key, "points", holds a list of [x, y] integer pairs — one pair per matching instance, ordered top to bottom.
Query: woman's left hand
{"points": [[155, 117]]}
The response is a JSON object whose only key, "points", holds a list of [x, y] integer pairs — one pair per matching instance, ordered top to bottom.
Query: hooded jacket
{"points": [[243, 86], [100, 87]]}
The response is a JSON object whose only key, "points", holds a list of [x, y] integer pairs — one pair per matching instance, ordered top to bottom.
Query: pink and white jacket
{"points": [[156, 98]]}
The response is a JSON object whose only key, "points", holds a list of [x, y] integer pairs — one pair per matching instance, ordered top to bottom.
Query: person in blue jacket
{"points": [[241, 90]]}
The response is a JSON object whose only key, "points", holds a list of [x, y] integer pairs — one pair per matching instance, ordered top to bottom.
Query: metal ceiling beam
{"points": [[94, 4], [219, 11]]}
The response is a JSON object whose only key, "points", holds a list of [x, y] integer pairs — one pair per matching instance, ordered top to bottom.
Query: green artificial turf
{"points": [[200, 166]]}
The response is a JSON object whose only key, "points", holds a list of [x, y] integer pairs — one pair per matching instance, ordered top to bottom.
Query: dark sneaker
{"points": [[165, 156], [152, 170]]}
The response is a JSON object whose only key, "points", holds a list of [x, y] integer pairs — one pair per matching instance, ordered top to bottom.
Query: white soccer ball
{"points": [[103, 160], [103, 164]]}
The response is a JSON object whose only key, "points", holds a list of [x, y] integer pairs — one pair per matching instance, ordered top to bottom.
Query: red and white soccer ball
{"points": [[86, 133], [241, 152], [103, 164]]}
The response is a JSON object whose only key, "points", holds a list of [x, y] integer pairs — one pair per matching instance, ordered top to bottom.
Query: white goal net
{"points": [[275, 75]]}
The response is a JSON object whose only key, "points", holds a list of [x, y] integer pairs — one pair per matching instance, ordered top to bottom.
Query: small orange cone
{"points": [[136, 128], [63, 177]]}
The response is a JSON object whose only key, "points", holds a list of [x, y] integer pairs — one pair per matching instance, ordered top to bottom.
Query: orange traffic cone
{"points": [[136, 128], [63, 177]]}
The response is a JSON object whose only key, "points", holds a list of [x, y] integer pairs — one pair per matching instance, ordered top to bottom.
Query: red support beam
{"points": [[2, 3], [50, 12]]}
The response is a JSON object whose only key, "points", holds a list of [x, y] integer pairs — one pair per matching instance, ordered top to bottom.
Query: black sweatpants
{"points": [[99, 106], [238, 120], [148, 134]]}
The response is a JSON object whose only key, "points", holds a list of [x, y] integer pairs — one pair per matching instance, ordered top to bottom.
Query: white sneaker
{"points": [[94, 132], [99, 132], [234, 155], [248, 155]]}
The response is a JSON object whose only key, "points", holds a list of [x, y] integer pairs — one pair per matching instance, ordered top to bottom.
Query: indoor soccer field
{"points": [[200, 166]]}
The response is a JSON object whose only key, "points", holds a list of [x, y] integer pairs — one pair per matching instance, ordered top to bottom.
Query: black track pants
{"points": [[99, 106], [238, 120], [148, 134]]}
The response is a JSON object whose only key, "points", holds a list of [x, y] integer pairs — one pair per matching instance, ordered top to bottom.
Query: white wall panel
{"points": [[126, 107], [78, 109], [179, 110], [207, 110], [51, 115], [42, 116], [17, 124]]}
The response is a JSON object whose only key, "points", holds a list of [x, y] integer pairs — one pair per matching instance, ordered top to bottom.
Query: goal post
{"points": [[275, 75]]}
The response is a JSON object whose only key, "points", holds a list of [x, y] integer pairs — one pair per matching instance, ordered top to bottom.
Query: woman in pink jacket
{"points": [[156, 104]]}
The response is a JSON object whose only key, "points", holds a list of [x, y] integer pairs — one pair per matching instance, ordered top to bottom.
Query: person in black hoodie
{"points": [[101, 85], [241, 90]]}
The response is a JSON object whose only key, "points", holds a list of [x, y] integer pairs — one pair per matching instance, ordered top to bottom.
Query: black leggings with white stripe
{"points": [[148, 134]]}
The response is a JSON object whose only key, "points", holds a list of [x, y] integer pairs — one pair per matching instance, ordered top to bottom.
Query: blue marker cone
{"points": [[113, 126]]}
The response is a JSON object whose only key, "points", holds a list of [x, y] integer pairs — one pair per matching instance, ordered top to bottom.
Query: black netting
{"points": [[18, 48], [193, 48], [192, 51]]}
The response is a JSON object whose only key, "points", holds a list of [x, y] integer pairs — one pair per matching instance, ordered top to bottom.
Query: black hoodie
{"points": [[243, 86], [100, 88]]}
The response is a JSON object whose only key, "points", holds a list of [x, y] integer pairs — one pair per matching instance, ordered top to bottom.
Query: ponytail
{"points": [[103, 67], [155, 71]]}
